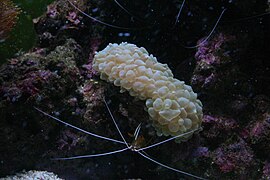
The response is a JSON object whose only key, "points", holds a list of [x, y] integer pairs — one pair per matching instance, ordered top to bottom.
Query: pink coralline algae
{"points": [[52, 11], [74, 18], [209, 51], [210, 56], [89, 72], [32, 75], [34, 80], [29, 85], [10, 93], [93, 95], [72, 101], [220, 122], [216, 125], [258, 130], [68, 140], [201, 152], [234, 157], [266, 170]]}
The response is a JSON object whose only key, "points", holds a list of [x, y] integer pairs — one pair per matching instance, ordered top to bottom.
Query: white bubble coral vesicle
{"points": [[172, 105]]}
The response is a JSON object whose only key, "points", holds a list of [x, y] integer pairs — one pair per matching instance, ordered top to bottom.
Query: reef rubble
{"points": [[230, 72]]}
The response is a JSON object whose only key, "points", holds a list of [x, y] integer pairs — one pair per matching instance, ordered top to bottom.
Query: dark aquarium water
{"points": [[116, 102]]}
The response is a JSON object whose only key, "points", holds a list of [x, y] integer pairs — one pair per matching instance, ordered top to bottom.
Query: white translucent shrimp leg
{"points": [[122, 7], [180, 10], [250, 17], [95, 19], [212, 31], [114, 121], [74, 127], [137, 131], [167, 140], [92, 155], [145, 156], [168, 167]]}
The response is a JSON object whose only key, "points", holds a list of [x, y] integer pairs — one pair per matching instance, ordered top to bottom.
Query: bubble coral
{"points": [[172, 105], [33, 174]]}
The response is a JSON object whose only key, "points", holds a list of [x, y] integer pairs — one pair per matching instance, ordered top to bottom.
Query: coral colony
{"points": [[229, 70], [171, 104]]}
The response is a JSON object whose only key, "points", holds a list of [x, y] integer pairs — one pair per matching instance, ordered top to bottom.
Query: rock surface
{"points": [[230, 72]]}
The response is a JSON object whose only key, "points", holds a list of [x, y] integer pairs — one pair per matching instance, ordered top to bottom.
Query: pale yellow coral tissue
{"points": [[172, 105]]}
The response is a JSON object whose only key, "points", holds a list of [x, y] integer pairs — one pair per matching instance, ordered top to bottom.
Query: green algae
{"points": [[23, 36]]}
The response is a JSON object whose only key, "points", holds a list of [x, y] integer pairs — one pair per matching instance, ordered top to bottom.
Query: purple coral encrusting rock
{"points": [[62, 19], [211, 52], [211, 57], [88, 69], [229, 71], [27, 76], [49, 77], [30, 80], [93, 95], [236, 121], [218, 126], [260, 130], [257, 132], [68, 140], [201, 152], [235, 157], [266, 170]]}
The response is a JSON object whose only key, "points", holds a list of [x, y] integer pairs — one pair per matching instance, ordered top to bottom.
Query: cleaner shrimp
{"points": [[178, 20], [135, 28], [134, 146]]}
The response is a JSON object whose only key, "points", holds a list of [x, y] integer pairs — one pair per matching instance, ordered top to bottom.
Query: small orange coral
{"points": [[8, 17]]}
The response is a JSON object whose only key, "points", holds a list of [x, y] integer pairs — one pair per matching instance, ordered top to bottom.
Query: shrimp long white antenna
{"points": [[122, 7], [180, 10], [250, 17], [97, 20], [212, 31], [114, 121], [79, 129], [137, 131], [167, 140], [92, 155], [168, 167]]}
